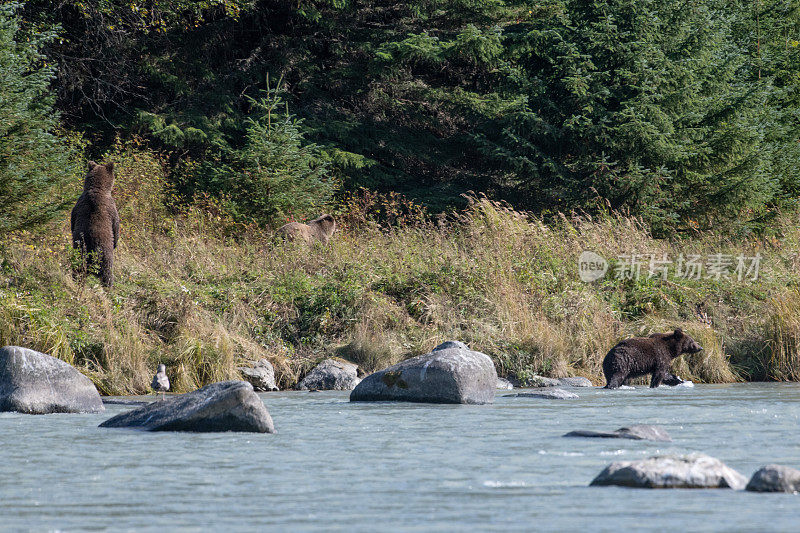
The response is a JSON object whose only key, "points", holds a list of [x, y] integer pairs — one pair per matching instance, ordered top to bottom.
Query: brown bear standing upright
{"points": [[95, 221], [320, 229], [647, 355]]}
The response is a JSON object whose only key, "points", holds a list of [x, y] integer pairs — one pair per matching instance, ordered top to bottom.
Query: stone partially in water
{"points": [[331, 374], [445, 375], [261, 376], [541, 381], [576, 381], [36, 383], [504, 384], [547, 393], [223, 406], [635, 432], [694, 471], [775, 478]]}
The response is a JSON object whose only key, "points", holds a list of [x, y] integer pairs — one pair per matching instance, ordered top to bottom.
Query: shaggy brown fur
{"points": [[95, 221], [320, 229], [647, 355]]}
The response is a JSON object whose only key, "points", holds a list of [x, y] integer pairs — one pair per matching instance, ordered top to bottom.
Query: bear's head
{"points": [[99, 177], [325, 223], [683, 343]]}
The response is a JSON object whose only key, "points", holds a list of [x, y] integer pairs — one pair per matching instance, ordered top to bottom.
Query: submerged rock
{"points": [[450, 373], [331, 374], [261, 376], [541, 381], [575, 382], [37, 383], [504, 384], [548, 393], [120, 401], [223, 406], [636, 432], [694, 471], [775, 478]]}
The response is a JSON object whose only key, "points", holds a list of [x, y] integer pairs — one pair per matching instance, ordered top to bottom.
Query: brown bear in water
{"points": [[95, 221], [320, 229], [647, 355]]}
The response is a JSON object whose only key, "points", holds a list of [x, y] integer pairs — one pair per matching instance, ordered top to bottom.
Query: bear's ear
{"points": [[91, 165], [110, 166], [678, 332]]}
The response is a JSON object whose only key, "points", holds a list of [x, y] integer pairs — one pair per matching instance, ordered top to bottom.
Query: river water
{"points": [[403, 467]]}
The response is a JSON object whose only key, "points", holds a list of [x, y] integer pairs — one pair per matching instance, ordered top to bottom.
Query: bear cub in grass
{"points": [[95, 222], [320, 229], [652, 355]]}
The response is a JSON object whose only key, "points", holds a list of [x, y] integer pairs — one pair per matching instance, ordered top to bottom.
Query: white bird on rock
{"points": [[161, 381]]}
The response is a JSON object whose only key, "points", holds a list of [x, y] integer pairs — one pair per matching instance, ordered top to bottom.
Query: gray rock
{"points": [[451, 344], [331, 374], [445, 375], [261, 376], [541, 381], [575, 382], [36, 383], [504, 384], [547, 393], [223, 406], [636, 432], [694, 471], [775, 478]]}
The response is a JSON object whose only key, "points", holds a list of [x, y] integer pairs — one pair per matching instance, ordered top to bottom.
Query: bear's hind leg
{"points": [[107, 268], [656, 380]]}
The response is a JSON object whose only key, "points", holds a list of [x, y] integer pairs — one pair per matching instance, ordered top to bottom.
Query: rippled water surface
{"points": [[381, 466]]}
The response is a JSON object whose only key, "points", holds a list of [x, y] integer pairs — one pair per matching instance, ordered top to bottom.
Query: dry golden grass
{"points": [[203, 295]]}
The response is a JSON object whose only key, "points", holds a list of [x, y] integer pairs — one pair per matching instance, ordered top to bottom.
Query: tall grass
{"points": [[204, 295]]}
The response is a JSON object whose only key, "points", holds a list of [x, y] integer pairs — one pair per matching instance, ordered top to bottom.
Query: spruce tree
{"points": [[640, 104], [34, 162]]}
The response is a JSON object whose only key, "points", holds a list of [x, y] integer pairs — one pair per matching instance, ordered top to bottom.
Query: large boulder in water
{"points": [[450, 373], [331, 374], [261, 376], [36, 383], [223, 406], [694, 471], [775, 478]]}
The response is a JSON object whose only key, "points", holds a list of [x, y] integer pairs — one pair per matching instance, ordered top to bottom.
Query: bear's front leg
{"points": [[614, 381]]}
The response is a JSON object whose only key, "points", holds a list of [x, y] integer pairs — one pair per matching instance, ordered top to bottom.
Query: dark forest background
{"points": [[685, 113]]}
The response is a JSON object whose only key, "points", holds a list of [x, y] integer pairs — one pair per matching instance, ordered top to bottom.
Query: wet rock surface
{"points": [[450, 373], [331, 374], [261, 376], [35, 383], [546, 393], [223, 406], [635, 432], [694, 471], [775, 478]]}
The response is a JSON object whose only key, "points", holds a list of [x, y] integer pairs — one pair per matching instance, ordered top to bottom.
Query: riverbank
{"points": [[203, 295]]}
